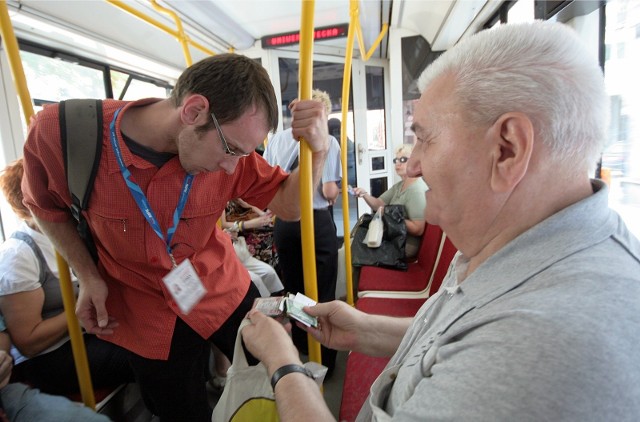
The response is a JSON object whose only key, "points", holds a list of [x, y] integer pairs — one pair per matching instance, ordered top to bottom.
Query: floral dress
{"points": [[259, 240]]}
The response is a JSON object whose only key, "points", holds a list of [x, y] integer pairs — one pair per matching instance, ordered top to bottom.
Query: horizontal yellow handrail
{"points": [[157, 24], [182, 37]]}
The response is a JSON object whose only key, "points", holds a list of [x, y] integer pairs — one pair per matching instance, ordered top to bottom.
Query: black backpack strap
{"points": [[81, 137]]}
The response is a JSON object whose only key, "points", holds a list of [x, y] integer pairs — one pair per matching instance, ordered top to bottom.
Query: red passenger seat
{"points": [[419, 277], [362, 370]]}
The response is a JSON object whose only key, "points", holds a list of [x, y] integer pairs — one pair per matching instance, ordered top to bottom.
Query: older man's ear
{"points": [[512, 141]]}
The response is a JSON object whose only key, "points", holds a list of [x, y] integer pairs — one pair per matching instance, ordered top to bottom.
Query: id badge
{"points": [[185, 286]]}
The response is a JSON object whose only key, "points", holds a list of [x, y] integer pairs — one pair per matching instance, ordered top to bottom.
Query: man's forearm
{"points": [[373, 202], [286, 203], [68, 243], [381, 335], [295, 389]]}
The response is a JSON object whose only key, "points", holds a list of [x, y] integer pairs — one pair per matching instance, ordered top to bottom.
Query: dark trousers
{"points": [[288, 240], [55, 372], [175, 389]]}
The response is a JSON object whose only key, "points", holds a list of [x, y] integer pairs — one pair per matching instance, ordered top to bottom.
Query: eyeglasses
{"points": [[227, 150], [401, 159]]}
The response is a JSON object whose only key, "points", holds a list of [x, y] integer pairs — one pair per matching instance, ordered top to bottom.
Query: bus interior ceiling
{"points": [[94, 29]]}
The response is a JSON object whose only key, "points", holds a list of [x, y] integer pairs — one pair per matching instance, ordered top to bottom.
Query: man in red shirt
{"points": [[167, 279]]}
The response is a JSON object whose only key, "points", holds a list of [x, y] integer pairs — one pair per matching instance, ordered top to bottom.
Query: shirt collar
{"points": [[578, 226]]}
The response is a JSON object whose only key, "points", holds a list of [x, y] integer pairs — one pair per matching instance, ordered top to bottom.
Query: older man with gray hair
{"points": [[538, 316]]}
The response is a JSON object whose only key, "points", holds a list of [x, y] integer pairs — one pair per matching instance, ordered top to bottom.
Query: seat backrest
{"points": [[430, 248], [428, 253], [446, 254], [423, 277]]}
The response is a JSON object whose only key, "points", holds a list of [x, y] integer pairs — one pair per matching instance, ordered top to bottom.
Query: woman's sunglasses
{"points": [[401, 159]]}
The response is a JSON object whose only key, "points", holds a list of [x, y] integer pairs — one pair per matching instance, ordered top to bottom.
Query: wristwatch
{"points": [[286, 370]]}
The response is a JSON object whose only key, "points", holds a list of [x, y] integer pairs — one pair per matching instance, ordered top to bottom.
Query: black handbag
{"points": [[390, 253]]}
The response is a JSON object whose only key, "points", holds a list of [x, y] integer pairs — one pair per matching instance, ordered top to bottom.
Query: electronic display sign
{"points": [[319, 34]]}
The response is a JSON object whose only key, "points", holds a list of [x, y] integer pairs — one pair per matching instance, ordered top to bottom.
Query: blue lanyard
{"points": [[140, 197]]}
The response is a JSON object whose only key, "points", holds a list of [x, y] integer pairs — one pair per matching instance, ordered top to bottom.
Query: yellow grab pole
{"points": [[120, 4], [354, 29], [182, 37], [13, 54], [366, 56], [346, 85], [306, 184], [68, 297], [77, 341]]}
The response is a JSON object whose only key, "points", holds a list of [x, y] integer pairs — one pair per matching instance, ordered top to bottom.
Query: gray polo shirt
{"points": [[546, 329]]}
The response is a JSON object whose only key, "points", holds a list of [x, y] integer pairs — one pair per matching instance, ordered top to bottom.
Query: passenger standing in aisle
{"points": [[282, 150], [168, 280]]}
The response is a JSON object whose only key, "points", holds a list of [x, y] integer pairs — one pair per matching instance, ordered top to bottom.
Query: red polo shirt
{"points": [[132, 257]]}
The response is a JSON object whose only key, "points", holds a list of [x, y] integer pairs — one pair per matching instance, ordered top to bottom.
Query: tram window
{"points": [[521, 11], [416, 56], [327, 76], [51, 79], [128, 87], [407, 107], [376, 125], [621, 157], [377, 164], [378, 185]]}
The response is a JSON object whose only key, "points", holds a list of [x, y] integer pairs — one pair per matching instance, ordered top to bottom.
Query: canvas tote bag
{"points": [[247, 395]]}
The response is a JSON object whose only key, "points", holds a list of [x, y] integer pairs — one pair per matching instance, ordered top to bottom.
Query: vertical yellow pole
{"points": [[354, 29], [13, 54], [346, 85], [306, 185], [68, 297], [77, 341]]}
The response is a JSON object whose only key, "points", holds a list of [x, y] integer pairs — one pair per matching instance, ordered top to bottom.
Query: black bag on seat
{"points": [[390, 254]]}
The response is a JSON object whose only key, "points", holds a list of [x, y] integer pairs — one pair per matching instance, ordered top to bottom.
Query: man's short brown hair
{"points": [[232, 83]]}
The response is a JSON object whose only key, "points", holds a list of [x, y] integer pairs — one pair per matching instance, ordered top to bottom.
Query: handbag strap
{"points": [[443, 238], [239, 358]]}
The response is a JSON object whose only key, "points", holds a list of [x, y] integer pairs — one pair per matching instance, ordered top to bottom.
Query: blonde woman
{"points": [[410, 192]]}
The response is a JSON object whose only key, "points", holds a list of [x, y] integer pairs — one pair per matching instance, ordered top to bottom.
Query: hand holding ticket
{"points": [[290, 305]]}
